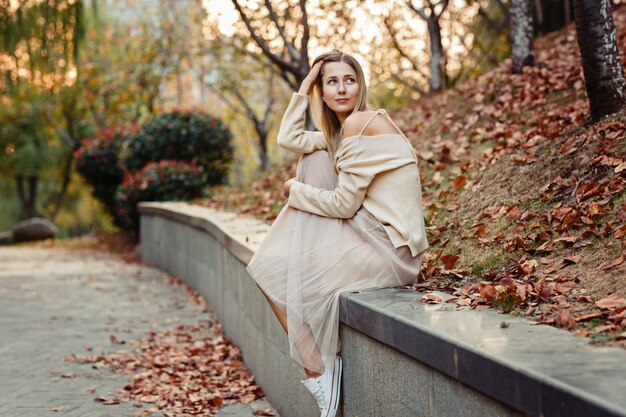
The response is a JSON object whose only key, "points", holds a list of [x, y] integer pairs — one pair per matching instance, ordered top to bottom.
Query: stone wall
{"points": [[401, 357]]}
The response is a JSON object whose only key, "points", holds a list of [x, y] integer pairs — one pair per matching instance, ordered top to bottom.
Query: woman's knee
{"points": [[316, 169]]}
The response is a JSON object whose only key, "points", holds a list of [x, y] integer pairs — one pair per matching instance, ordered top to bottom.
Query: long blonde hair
{"points": [[324, 118]]}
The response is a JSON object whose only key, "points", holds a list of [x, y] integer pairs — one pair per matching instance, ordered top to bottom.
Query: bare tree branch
{"points": [[305, 37], [261, 43], [401, 51], [293, 52], [226, 100], [270, 101], [58, 129]]}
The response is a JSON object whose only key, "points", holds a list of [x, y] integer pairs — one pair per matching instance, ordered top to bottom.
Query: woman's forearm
{"points": [[292, 134]]}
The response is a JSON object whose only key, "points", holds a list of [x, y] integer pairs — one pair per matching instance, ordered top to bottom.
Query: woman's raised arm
{"points": [[291, 135]]}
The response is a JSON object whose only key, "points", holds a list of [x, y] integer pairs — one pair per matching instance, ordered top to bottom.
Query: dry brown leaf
{"points": [[459, 182], [514, 213], [482, 231], [449, 260], [570, 260], [618, 261], [488, 293], [431, 299], [612, 302], [588, 316], [565, 319], [267, 412]]}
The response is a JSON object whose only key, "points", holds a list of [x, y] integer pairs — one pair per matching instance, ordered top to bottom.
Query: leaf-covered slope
{"points": [[524, 200]]}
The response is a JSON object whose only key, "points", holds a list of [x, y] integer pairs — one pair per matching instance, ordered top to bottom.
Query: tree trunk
{"points": [[539, 13], [521, 35], [436, 55], [604, 75], [262, 133], [265, 162], [67, 176], [27, 193]]}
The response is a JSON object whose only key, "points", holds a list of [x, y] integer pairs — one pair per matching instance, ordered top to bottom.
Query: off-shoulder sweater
{"points": [[378, 172]]}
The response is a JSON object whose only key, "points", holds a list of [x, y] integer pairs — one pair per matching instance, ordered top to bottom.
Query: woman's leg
{"points": [[315, 169], [280, 315], [282, 318]]}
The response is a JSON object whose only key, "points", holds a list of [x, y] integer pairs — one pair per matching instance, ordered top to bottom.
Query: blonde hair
{"points": [[324, 118]]}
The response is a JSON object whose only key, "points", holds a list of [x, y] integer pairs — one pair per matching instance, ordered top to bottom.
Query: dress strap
{"points": [[384, 112], [370, 120], [402, 134]]}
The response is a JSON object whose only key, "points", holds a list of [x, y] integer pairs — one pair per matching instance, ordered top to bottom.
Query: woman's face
{"points": [[340, 88]]}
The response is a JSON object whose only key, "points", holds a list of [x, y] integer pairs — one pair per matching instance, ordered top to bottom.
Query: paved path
{"points": [[54, 302]]}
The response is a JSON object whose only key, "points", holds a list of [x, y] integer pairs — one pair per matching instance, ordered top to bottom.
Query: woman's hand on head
{"points": [[307, 84], [287, 186]]}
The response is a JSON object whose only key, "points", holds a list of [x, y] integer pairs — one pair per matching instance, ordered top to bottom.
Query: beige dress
{"points": [[306, 260]]}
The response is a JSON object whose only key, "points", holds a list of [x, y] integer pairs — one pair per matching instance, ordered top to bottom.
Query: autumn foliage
{"points": [[523, 197], [189, 369]]}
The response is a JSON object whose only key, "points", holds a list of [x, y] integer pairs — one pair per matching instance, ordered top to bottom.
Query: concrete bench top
{"points": [[536, 369]]}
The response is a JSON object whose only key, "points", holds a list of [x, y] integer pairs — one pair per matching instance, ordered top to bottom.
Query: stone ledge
{"points": [[240, 234], [538, 370]]}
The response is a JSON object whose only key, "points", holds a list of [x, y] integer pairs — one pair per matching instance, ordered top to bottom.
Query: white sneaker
{"points": [[325, 388]]}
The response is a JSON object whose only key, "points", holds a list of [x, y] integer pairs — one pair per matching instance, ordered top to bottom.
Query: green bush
{"points": [[183, 136], [97, 162], [157, 181]]}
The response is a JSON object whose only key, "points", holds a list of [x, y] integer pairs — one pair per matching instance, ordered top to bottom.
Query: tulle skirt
{"points": [[305, 261]]}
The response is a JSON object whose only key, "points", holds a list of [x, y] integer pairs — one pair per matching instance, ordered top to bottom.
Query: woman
{"points": [[353, 219]]}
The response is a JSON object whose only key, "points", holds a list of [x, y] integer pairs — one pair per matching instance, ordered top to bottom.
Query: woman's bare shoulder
{"points": [[354, 123]]}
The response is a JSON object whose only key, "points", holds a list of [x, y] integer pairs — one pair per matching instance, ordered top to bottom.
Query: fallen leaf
{"points": [[459, 181], [514, 213], [482, 231], [449, 260], [570, 260], [614, 263], [488, 293], [431, 299], [464, 302], [612, 302], [588, 316], [564, 319], [603, 328], [107, 401], [267, 412]]}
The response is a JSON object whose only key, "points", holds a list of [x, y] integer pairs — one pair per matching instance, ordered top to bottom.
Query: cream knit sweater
{"points": [[378, 172]]}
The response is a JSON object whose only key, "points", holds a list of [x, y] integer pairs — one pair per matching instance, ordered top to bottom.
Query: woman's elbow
{"points": [[287, 142], [347, 211]]}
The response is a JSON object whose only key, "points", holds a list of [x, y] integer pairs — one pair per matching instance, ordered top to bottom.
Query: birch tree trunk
{"points": [[431, 13], [521, 35], [597, 40], [436, 55]]}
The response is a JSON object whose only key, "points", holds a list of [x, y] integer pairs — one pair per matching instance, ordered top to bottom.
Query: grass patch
{"points": [[490, 263], [506, 304]]}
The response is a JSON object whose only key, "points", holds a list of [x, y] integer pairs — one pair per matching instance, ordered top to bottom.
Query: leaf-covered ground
{"points": [[524, 198], [186, 369]]}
